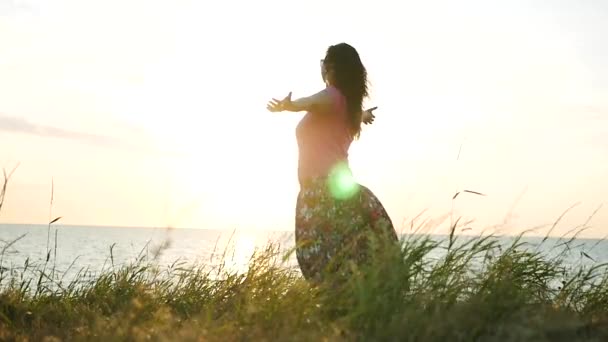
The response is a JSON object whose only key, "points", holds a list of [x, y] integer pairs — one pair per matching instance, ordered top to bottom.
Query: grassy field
{"points": [[474, 290], [477, 291]]}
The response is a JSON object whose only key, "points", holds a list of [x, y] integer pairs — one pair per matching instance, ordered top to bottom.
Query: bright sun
{"points": [[235, 162], [217, 182]]}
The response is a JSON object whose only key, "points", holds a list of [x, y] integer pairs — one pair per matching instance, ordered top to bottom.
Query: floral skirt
{"points": [[334, 233]]}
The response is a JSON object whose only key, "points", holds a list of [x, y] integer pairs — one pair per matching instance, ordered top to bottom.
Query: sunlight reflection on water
{"points": [[99, 248]]}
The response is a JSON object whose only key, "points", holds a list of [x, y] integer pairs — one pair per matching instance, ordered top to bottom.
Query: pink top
{"points": [[323, 139]]}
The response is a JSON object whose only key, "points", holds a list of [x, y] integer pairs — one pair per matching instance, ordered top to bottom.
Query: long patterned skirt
{"points": [[333, 232]]}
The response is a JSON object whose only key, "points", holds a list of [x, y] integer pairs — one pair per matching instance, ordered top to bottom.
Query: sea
{"points": [[71, 249]]}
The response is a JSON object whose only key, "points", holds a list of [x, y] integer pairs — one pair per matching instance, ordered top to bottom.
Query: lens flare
{"points": [[342, 183]]}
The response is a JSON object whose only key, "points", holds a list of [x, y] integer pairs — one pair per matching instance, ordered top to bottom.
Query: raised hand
{"points": [[275, 105], [367, 117]]}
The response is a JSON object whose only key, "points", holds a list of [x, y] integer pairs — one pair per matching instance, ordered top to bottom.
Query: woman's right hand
{"points": [[275, 105]]}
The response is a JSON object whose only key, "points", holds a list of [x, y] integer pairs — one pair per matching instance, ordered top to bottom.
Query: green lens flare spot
{"points": [[342, 184]]}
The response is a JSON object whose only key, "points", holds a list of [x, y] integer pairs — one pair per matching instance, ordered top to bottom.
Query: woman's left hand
{"points": [[279, 105], [368, 116]]}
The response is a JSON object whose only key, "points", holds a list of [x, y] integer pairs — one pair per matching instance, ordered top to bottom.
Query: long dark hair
{"points": [[350, 77]]}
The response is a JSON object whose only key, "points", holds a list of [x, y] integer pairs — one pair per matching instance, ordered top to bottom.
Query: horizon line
{"points": [[529, 234]]}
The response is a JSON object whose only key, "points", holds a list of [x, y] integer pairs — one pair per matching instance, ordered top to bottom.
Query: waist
{"points": [[315, 175], [313, 182]]}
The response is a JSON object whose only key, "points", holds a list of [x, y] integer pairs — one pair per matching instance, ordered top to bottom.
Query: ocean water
{"points": [[71, 249]]}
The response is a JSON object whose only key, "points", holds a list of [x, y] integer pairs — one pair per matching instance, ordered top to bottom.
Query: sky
{"points": [[152, 113]]}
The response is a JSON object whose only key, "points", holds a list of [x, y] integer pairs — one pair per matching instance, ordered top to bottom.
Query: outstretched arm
{"points": [[320, 101], [316, 102]]}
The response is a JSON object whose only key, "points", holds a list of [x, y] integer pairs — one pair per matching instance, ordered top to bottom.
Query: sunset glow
{"points": [[152, 113]]}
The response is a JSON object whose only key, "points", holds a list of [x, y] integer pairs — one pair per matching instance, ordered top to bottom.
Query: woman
{"points": [[336, 218]]}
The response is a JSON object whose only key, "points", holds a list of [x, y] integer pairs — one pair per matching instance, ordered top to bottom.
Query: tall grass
{"points": [[458, 289], [475, 291]]}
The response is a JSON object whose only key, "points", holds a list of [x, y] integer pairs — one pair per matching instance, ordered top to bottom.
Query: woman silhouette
{"points": [[336, 218]]}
